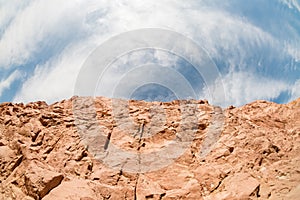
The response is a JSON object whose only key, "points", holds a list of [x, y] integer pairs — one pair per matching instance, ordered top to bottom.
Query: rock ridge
{"points": [[89, 148]]}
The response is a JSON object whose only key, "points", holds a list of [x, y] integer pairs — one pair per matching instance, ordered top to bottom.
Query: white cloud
{"points": [[293, 4], [8, 10], [84, 24], [38, 25], [294, 51], [55, 79], [5, 84], [244, 87], [295, 91]]}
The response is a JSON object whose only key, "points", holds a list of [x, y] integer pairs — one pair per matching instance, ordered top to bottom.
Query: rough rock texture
{"points": [[176, 150]]}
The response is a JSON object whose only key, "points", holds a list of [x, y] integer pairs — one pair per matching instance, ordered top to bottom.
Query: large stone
{"points": [[9, 160], [39, 180], [241, 185], [71, 190], [294, 193]]}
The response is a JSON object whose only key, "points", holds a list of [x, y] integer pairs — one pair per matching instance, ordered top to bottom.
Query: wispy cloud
{"points": [[293, 4], [8, 10], [39, 27], [65, 33], [55, 79], [6, 83], [241, 87], [295, 91]]}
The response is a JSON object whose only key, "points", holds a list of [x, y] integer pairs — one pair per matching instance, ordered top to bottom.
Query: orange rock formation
{"points": [[91, 149]]}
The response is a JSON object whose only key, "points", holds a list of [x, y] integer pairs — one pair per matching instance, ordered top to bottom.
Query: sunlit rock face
{"points": [[100, 148]]}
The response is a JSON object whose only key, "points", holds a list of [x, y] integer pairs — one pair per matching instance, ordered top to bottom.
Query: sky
{"points": [[254, 45]]}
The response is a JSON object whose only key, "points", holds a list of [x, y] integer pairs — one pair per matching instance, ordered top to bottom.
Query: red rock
{"points": [[87, 149], [40, 181], [241, 185], [75, 189], [294, 193]]}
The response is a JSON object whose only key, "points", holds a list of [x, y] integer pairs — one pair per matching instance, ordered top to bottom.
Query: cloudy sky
{"points": [[255, 46]]}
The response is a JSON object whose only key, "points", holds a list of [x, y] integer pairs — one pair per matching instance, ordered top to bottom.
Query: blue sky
{"points": [[255, 45]]}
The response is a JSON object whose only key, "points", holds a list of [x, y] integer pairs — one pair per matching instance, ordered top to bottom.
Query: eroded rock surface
{"points": [[90, 149]]}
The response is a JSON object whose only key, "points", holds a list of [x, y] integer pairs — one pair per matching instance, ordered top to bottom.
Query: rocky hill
{"points": [[91, 149]]}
